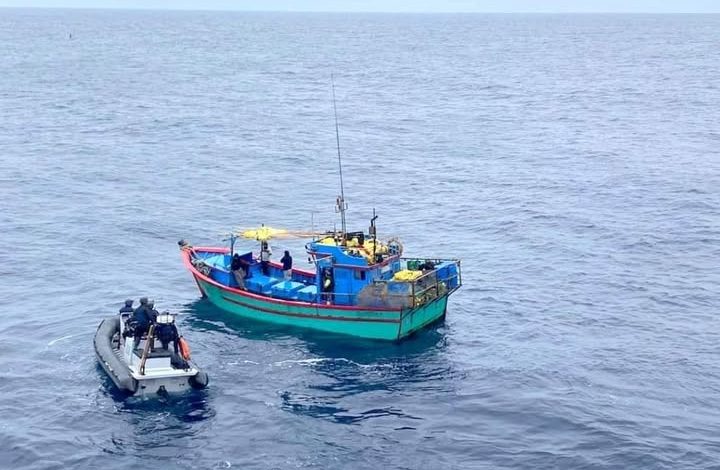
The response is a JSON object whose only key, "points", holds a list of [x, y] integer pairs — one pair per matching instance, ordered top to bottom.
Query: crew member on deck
{"points": [[265, 254], [286, 261], [238, 270], [327, 284], [127, 308], [152, 313], [140, 320], [166, 331]]}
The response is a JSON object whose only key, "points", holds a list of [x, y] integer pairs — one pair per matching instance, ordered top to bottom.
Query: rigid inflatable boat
{"points": [[139, 368]]}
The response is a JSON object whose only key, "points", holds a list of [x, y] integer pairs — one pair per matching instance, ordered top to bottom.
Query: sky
{"points": [[429, 6]]}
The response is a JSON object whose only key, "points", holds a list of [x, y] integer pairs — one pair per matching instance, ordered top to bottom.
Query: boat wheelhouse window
{"points": [[360, 274]]}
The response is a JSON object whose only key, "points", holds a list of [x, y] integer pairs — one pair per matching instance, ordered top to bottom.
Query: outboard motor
{"points": [[199, 381]]}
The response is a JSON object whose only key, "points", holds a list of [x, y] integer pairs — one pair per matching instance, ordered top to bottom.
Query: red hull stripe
{"points": [[305, 315]]}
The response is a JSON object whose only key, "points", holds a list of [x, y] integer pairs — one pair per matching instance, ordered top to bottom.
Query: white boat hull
{"points": [[122, 362]]}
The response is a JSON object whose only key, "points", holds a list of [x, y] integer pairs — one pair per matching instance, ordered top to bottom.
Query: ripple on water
{"points": [[585, 212]]}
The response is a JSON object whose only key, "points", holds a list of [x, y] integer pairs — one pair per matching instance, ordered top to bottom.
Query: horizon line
{"points": [[418, 12]]}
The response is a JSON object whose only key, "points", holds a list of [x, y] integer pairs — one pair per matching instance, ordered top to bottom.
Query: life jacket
{"points": [[327, 280]]}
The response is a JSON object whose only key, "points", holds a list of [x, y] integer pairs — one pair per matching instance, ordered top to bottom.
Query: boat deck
{"points": [[442, 280], [301, 286]]}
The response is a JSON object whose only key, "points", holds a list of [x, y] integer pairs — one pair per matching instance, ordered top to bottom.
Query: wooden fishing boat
{"points": [[360, 286]]}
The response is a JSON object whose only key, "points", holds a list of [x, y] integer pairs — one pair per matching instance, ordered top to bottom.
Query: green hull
{"points": [[374, 324]]}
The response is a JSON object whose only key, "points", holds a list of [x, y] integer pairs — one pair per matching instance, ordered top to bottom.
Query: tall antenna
{"points": [[341, 199]]}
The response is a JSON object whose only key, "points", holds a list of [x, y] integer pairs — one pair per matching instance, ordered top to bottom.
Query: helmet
{"points": [[143, 300], [129, 302]]}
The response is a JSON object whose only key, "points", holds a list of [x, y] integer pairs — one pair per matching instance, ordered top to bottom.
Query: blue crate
{"points": [[222, 276], [260, 283], [286, 289], [307, 294]]}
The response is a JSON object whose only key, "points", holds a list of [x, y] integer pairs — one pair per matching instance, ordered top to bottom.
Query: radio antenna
{"points": [[341, 206]]}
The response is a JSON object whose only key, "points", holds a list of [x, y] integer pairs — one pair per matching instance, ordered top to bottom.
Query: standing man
{"points": [[265, 254], [286, 261]]}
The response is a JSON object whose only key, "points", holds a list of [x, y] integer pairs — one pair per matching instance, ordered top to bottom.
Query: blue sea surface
{"points": [[571, 161]]}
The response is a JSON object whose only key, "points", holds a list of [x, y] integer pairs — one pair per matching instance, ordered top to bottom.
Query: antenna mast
{"points": [[341, 206]]}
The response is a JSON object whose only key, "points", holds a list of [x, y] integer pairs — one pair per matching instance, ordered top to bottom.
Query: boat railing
{"points": [[434, 261], [432, 284], [386, 300]]}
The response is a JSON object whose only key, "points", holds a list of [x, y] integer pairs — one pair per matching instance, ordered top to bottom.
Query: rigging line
{"points": [[337, 139]]}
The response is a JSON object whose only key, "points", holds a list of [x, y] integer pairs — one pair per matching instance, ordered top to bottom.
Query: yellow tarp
{"points": [[263, 233], [380, 247], [366, 250], [406, 275]]}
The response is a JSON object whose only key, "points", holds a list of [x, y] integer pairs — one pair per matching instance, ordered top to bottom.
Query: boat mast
{"points": [[341, 206], [373, 232]]}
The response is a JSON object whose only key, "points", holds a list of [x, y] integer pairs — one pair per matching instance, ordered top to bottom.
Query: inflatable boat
{"points": [[138, 366]]}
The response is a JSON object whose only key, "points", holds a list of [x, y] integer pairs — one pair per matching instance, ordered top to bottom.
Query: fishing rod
{"points": [[341, 199]]}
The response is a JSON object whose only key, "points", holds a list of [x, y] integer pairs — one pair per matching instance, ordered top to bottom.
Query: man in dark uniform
{"points": [[125, 312], [152, 313], [141, 320], [167, 331]]}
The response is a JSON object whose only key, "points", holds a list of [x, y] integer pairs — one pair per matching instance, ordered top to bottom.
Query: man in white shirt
{"points": [[265, 254]]}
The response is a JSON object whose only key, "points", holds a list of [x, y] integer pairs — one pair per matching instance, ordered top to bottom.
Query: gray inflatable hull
{"points": [[115, 368]]}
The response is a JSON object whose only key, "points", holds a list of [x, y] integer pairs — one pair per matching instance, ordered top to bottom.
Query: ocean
{"points": [[571, 161]]}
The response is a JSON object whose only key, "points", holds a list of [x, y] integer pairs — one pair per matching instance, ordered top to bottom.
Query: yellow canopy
{"points": [[264, 233]]}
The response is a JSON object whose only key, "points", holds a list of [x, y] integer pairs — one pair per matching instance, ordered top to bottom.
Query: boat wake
{"points": [[62, 338], [322, 360]]}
